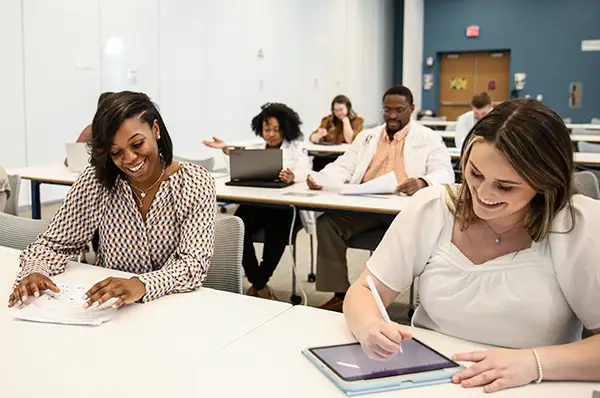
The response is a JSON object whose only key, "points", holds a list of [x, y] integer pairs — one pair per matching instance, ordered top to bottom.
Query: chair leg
{"points": [[311, 276], [294, 299]]}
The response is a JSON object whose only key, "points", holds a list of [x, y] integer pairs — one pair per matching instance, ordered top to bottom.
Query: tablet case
{"points": [[379, 385]]}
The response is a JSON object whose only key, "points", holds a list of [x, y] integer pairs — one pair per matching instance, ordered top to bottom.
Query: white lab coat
{"points": [[464, 124], [425, 156], [295, 158]]}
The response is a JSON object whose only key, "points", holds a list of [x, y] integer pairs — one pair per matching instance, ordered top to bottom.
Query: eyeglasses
{"points": [[388, 112]]}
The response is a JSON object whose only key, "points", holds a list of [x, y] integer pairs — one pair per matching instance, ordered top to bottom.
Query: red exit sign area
{"points": [[473, 31]]}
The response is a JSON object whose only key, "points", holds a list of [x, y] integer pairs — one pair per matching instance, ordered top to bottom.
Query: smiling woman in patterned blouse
{"points": [[156, 216]]}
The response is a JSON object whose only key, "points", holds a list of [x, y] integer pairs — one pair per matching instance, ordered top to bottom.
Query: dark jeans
{"points": [[276, 224]]}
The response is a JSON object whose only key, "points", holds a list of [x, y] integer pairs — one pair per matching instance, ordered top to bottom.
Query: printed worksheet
{"points": [[65, 308]]}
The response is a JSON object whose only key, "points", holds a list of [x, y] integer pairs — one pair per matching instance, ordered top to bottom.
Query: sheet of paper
{"points": [[326, 182], [387, 183], [66, 308]]}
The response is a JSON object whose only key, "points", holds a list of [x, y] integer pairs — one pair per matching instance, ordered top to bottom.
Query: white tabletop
{"points": [[584, 126], [574, 137], [316, 148], [581, 158], [54, 173], [296, 195], [300, 196], [154, 349], [278, 369]]}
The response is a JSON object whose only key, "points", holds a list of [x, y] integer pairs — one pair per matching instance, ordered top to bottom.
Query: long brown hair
{"points": [[342, 99], [536, 143]]}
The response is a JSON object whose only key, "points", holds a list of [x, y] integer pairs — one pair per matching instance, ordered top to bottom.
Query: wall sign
{"points": [[472, 31], [427, 81], [458, 83], [491, 85], [575, 94]]}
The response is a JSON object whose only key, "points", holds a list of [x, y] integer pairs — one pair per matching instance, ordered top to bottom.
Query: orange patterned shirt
{"points": [[389, 156]]}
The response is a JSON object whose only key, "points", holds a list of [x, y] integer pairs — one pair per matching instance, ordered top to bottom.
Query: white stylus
{"points": [[379, 303]]}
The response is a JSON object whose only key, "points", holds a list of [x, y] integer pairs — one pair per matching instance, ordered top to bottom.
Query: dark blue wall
{"points": [[544, 37], [398, 39]]}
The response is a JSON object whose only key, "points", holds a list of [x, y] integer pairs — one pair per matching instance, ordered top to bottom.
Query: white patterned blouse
{"points": [[170, 250]]}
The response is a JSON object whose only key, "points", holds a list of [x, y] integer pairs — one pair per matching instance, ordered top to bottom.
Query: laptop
{"points": [[77, 156], [256, 168]]}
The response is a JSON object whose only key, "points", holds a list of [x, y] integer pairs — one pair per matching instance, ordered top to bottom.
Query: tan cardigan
{"points": [[335, 132]]}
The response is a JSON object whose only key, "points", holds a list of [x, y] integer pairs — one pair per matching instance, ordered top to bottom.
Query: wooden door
{"points": [[465, 74], [492, 75], [456, 84]]}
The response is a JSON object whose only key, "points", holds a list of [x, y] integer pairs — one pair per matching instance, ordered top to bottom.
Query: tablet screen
{"points": [[350, 362]]}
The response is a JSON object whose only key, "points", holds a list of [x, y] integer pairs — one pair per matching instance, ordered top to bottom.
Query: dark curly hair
{"points": [[110, 115], [289, 121]]}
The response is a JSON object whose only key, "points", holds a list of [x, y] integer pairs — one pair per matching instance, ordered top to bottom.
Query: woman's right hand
{"points": [[319, 135], [217, 143], [31, 286], [383, 339]]}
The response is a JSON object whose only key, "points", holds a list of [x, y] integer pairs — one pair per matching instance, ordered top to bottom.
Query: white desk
{"points": [[444, 123], [574, 137], [325, 149], [581, 158], [297, 195], [303, 198], [156, 349], [278, 369]]}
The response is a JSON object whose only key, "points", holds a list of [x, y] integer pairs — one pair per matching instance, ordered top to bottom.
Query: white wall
{"points": [[197, 59], [412, 59], [12, 144]]}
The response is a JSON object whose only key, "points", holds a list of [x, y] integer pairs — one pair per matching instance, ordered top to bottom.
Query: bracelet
{"points": [[539, 367]]}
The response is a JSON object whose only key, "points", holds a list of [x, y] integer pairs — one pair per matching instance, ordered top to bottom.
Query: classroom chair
{"points": [[208, 163], [586, 184], [12, 204], [19, 232], [369, 240], [225, 272]]}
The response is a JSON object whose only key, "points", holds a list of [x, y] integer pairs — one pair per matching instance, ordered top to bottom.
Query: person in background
{"points": [[482, 105], [279, 126], [341, 126], [86, 133], [86, 136], [418, 157], [4, 189], [156, 216], [509, 258]]}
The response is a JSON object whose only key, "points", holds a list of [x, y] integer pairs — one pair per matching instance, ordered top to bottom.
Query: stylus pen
{"points": [[379, 303]]}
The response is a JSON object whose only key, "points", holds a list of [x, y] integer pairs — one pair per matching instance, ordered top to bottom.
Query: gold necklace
{"points": [[143, 192], [497, 235]]}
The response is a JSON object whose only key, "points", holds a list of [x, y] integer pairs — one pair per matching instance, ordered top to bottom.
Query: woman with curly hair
{"points": [[279, 126], [156, 216]]}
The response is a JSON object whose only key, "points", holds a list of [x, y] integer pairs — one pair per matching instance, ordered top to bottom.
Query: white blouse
{"points": [[536, 297]]}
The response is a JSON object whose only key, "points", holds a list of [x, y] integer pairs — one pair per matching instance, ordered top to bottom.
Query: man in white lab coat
{"points": [[481, 105], [415, 153]]}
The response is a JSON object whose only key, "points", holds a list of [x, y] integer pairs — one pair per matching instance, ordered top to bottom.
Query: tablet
{"points": [[355, 373]]}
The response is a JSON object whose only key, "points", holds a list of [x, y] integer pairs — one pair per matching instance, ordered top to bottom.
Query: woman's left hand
{"points": [[286, 175], [124, 290], [497, 369]]}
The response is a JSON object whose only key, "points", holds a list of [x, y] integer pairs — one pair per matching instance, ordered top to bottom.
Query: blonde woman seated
{"points": [[509, 258]]}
